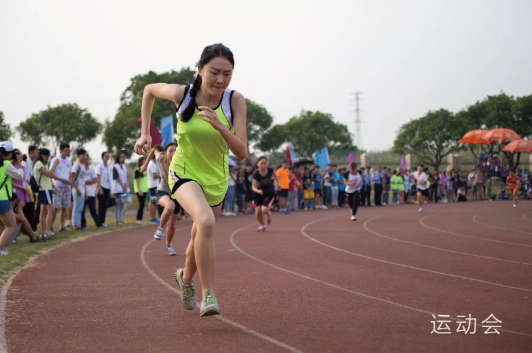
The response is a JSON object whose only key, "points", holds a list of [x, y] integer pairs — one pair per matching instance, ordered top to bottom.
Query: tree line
{"points": [[68, 122], [435, 135]]}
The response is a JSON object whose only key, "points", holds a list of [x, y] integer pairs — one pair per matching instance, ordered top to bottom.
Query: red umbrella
{"points": [[502, 135], [475, 137], [519, 146]]}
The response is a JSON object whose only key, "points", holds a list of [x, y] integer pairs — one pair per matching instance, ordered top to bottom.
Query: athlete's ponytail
{"points": [[210, 52], [189, 110]]}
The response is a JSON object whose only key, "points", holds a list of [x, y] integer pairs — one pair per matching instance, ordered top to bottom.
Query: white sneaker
{"points": [[515, 205], [420, 209], [353, 218], [139, 222], [69, 224], [104, 225], [158, 234], [170, 249], [4, 251], [187, 294], [209, 305]]}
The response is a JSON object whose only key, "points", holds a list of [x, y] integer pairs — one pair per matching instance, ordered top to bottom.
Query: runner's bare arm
{"points": [[170, 92], [238, 141]]}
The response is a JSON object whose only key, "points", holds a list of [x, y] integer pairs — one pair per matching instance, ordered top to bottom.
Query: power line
{"points": [[358, 122]]}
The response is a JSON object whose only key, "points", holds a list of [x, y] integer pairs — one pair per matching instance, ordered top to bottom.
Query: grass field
{"points": [[23, 250]]}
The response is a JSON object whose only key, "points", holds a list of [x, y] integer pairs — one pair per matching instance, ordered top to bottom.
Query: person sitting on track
{"points": [[264, 182]]}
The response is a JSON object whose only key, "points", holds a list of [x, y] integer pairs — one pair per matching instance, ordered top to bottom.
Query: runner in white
{"points": [[353, 182], [421, 184]]}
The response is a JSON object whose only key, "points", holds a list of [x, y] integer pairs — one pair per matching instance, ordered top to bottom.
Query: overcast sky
{"points": [[407, 57]]}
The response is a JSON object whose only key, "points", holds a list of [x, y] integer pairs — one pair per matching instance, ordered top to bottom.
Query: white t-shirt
{"points": [[152, 168], [29, 169], [62, 170], [121, 172], [90, 174], [105, 175], [79, 177], [470, 179], [421, 180], [355, 187]]}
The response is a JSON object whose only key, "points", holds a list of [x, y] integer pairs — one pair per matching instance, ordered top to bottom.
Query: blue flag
{"points": [[167, 130], [293, 156], [317, 158], [324, 158]]}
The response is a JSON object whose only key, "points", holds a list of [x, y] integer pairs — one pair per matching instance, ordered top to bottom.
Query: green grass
{"points": [[21, 252]]}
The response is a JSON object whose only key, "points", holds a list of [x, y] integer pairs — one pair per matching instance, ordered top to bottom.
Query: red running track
{"points": [[314, 282]]}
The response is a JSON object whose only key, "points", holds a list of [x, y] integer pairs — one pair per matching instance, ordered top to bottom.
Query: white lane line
{"points": [[506, 229], [469, 236], [437, 248], [345, 289], [3, 301], [221, 318]]}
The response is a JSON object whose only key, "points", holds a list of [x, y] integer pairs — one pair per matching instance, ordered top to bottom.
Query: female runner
{"points": [[211, 120], [264, 180]]}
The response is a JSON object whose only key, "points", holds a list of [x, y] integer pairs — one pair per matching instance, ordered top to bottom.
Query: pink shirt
{"points": [[22, 195]]}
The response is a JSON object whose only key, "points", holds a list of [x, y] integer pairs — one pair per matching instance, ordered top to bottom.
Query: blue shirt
{"points": [[377, 178], [365, 179], [317, 180], [334, 182], [341, 185]]}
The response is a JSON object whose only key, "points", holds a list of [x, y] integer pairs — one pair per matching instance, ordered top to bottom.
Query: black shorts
{"points": [[317, 192], [423, 192], [282, 193], [153, 195], [249, 196], [263, 200], [177, 206]]}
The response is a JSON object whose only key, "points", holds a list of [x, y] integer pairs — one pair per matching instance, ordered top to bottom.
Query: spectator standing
{"points": [[44, 177], [77, 178], [377, 179], [283, 180], [153, 182], [248, 184], [103, 186], [120, 186], [334, 186], [386, 186], [20, 187], [140, 187], [341, 188], [366, 188], [240, 190], [318, 195], [90, 196], [292, 198], [63, 199], [229, 202], [29, 208], [8, 220]]}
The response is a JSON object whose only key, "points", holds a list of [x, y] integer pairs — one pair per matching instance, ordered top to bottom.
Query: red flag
{"points": [[156, 137], [288, 157]]}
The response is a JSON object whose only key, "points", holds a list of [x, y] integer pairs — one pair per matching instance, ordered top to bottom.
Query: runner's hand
{"points": [[211, 117], [143, 145], [260, 192]]}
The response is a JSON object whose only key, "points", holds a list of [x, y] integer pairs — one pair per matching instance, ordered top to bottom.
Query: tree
{"points": [[499, 111], [258, 120], [63, 123], [5, 129], [314, 130], [123, 131], [430, 138], [273, 139]]}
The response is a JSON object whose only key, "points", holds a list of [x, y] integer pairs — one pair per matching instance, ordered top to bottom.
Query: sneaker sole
{"points": [[180, 296], [210, 312]]}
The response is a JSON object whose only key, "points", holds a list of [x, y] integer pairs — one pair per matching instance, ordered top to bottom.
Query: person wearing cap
{"points": [[8, 222]]}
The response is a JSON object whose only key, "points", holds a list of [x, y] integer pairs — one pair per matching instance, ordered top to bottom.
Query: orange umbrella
{"points": [[502, 135], [475, 137], [519, 146]]}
